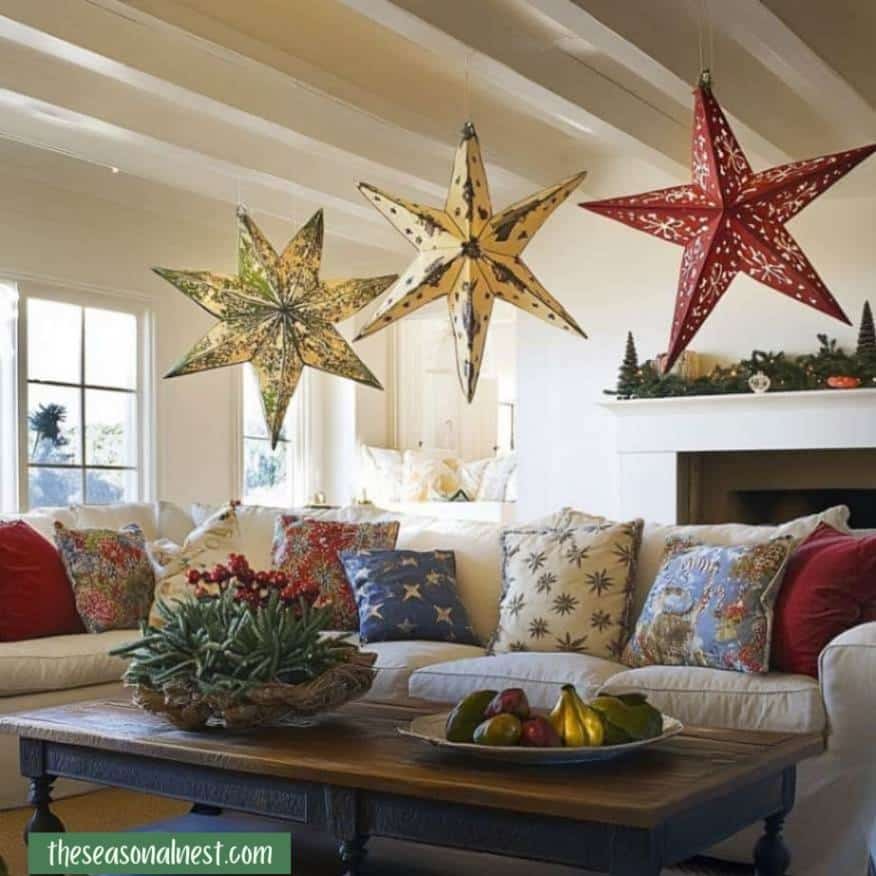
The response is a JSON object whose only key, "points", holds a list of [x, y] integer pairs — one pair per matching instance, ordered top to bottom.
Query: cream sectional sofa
{"points": [[832, 827]]}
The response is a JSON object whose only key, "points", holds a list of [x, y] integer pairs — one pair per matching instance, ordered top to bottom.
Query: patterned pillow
{"points": [[203, 548], [307, 551], [111, 575], [567, 589], [407, 595], [711, 606]]}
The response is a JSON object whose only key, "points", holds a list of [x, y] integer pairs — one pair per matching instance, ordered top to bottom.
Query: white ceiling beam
{"points": [[585, 26], [777, 47], [166, 61], [649, 133]]}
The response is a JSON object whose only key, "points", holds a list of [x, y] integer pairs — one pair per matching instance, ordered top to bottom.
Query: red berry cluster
{"points": [[251, 587]]}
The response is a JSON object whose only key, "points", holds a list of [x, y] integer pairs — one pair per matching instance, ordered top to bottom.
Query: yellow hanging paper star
{"points": [[470, 255], [277, 314]]}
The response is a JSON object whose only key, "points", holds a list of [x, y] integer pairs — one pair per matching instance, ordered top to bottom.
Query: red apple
{"points": [[511, 701], [539, 733]]}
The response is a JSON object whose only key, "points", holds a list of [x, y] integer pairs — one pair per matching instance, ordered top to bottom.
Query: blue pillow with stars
{"points": [[407, 595]]}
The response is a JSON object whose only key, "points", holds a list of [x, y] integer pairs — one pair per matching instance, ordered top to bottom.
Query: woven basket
{"points": [[270, 703]]}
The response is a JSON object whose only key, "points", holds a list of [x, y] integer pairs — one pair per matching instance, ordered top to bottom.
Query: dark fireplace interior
{"points": [[777, 485]]}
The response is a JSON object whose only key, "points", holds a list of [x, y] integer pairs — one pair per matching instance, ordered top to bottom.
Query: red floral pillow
{"points": [[307, 551], [111, 575], [829, 587], [35, 594]]}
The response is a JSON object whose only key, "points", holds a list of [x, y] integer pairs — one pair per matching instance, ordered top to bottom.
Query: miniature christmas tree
{"points": [[867, 334], [629, 377]]}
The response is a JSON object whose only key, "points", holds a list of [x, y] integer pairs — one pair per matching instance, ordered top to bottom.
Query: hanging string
{"points": [[711, 25], [467, 89]]}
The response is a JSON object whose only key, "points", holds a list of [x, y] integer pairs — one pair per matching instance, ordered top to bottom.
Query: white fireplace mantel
{"points": [[652, 432]]}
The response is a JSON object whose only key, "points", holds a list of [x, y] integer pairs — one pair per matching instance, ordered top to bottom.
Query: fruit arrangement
{"points": [[504, 718]]}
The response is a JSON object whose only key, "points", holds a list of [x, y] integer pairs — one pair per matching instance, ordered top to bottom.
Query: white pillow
{"points": [[428, 471], [381, 474], [497, 474], [471, 475], [117, 516], [43, 520], [209, 544]]}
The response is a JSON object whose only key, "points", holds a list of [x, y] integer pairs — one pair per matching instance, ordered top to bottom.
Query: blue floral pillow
{"points": [[407, 595], [711, 606]]}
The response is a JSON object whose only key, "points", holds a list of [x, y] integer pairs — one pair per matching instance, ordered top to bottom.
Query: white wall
{"points": [[57, 235], [614, 279]]}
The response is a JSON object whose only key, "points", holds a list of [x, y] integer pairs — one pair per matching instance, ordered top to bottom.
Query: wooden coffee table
{"points": [[352, 775]]}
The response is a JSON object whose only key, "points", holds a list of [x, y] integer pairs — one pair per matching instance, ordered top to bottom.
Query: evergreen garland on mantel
{"points": [[786, 373]]}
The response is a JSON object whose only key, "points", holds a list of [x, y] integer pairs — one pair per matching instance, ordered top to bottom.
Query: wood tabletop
{"points": [[359, 747]]}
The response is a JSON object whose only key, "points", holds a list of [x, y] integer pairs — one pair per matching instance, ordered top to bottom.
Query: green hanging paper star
{"points": [[277, 314]]}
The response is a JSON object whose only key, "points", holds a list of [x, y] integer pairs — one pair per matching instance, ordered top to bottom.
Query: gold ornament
{"points": [[470, 255], [277, 314]]}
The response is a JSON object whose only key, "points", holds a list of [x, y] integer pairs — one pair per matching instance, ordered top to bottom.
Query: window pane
{"points": [[54, 341], [110, 348], [253, 416], [54, 424], [110, 428], [267, 478], [53, 486], [103, 487]]}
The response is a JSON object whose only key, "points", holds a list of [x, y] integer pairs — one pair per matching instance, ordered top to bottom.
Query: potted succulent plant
{"points": [[248, 648]]}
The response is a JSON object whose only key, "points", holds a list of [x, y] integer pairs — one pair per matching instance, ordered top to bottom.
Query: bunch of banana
{"points": [[577, 724]]}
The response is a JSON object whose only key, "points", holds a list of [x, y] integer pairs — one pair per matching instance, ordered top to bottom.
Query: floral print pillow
{"points": [[307, 551], [111, 575], [568, 589], [711, 606]]}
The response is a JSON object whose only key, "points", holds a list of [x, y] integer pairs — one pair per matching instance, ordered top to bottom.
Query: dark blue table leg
{"points": [[43, 819]]}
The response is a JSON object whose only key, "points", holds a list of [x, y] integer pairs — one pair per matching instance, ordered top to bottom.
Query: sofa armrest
{"points": [[847, 673]]}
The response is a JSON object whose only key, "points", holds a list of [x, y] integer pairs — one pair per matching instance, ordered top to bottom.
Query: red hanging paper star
{"points": [[730, 219]]}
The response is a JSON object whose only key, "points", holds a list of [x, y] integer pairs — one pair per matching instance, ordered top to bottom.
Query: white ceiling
{"points": [[287, 104]]}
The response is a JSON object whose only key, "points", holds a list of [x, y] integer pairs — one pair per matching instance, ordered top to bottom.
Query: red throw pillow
{"points": [[307, 551], [829, 587], [36, 598]]}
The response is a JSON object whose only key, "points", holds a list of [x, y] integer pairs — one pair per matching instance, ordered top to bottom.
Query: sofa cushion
{"points": [[117, 516], [43, 520], [477, 551], [309, 552], [829, 587], [567, 590], [35, 595], [405, 595], [711, 606], [396, 661], [61, 662], [541, 675], [718, 698]]}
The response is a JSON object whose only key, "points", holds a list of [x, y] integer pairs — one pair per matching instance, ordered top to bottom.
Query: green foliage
{"points": [[867, 334], [628, 374], [786, 374], [45, 422], [222, 646]]}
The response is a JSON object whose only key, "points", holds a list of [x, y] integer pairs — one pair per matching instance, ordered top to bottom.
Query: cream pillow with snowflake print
{"points": [[568, 589]]}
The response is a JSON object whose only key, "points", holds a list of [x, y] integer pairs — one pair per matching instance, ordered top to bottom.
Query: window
{"points": [[81, 389], [274, 477]]}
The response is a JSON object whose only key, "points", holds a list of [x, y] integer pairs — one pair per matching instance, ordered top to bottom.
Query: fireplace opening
{"points": [[771, 487], [771, 506]]}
